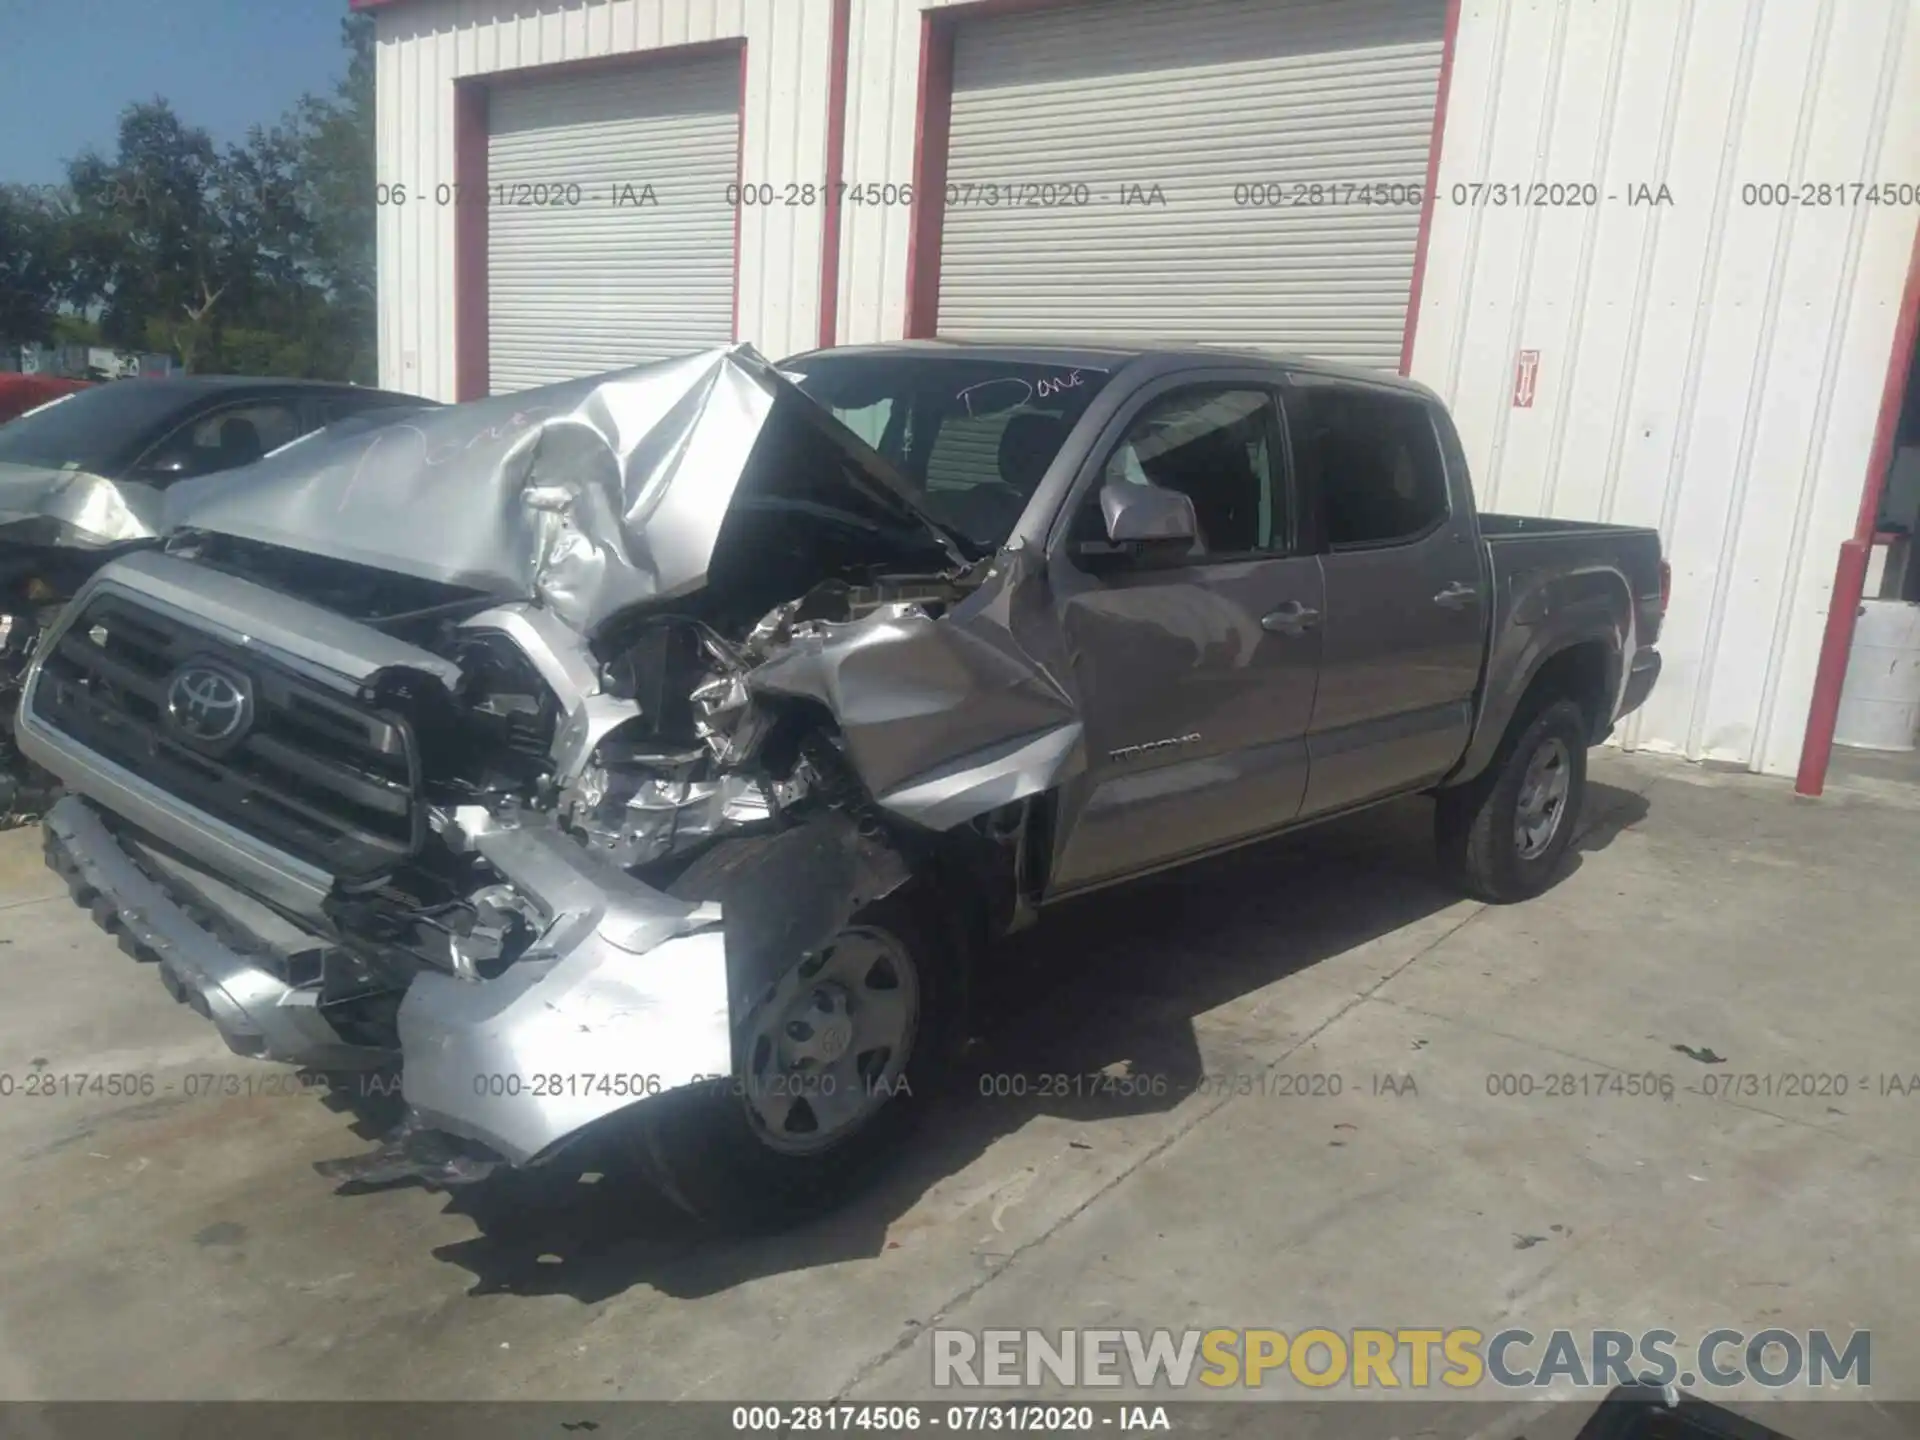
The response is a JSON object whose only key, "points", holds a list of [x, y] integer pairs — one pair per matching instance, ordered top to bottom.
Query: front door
{"points": [[1406, 616], [1196, 679]]}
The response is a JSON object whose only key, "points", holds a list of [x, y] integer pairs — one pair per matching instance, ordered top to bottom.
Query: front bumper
{"points": [[247, 996], [623, 996]]}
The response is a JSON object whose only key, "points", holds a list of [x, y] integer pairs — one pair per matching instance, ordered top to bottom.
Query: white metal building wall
{"points": [[425, 45], [883, 88], [1232, 171], [583, 276], [1713, 366]]}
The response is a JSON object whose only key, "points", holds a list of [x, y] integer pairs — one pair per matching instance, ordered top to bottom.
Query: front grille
{"points": [[334, 783]]}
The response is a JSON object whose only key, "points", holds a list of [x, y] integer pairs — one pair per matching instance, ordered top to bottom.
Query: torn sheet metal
{"points": [[589, 495], [45, 506], [943, 719], [987, 779], [639, 813], [788, 892], [629, 993], [623, 996], [522, 1061]]}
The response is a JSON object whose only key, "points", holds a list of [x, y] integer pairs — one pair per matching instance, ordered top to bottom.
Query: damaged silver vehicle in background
{"points": [[83, 478], [662, 748]]}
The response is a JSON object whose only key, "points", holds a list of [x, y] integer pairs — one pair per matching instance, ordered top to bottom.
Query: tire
{"points": [[1487, 846], [709, 1151]]}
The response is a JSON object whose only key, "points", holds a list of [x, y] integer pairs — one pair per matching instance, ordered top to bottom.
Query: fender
{"points": [[1539, 614]]}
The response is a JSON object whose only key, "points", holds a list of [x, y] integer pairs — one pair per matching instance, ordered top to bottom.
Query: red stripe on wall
{"points": [[836, 163], [1433, 184], [927, 212], [470, 377], [1850, 573]]}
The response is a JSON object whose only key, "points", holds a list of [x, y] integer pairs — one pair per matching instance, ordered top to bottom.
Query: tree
{"points": [[335, 166], [333, 170], [309, 184], [154, 233], [257, 258], [33, 264]]}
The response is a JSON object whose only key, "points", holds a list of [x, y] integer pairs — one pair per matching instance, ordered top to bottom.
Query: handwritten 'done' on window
{"points": [[1010, 392]]}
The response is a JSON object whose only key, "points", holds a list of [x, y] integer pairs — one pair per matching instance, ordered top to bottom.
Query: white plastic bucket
{"points": [[1880, 703]]}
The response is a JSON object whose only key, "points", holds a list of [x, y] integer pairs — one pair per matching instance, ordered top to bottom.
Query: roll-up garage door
{"points": [[1231, 171], [609, 233]]}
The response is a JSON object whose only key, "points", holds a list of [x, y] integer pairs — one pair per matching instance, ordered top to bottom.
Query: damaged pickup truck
{"points": [[675, 742]]}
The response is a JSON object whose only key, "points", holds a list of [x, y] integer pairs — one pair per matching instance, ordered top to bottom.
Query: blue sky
{"points": [[68, 67]]}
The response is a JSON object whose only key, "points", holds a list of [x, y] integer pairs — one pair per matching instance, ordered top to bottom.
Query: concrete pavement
{"points": [[176, 1245]]}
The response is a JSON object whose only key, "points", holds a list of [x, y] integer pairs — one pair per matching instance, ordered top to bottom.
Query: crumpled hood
{"points": [[587, 496], [46, 506]]}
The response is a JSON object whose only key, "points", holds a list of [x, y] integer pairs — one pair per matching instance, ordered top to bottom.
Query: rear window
{"points": [[973, 436], [1373, 460]]}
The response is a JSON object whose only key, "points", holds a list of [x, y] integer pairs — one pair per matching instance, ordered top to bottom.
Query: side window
{"points": [[224, 440], [1216, 447], [1372, 459]]}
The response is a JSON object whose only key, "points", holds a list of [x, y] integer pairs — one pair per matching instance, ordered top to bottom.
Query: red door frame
{"points": [[933, 116], [836, 159], [1427, 196], [470, 334], [1850, 573]]}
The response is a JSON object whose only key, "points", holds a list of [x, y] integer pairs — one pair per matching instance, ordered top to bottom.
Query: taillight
{"points": [[1666, 586]]}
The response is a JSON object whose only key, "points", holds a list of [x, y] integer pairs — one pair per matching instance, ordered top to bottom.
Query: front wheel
{"points": [[1502, 836], [831, 1068]]}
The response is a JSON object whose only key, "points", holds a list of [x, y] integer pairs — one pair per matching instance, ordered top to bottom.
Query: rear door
{"points": [[1406, 609], [1195, 678]]}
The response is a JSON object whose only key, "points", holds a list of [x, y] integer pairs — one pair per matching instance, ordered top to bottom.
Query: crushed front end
{"points": [[363, 809]]}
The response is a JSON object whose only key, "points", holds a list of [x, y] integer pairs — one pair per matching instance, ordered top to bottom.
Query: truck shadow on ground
{"points": [[1106, 986]]}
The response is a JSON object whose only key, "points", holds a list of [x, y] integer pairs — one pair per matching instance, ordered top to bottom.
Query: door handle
{"points": [[1456, 596], [1291, 618]]}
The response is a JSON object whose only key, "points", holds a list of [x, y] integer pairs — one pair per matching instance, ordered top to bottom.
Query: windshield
{"points": [[92, 430], [972, 436]]}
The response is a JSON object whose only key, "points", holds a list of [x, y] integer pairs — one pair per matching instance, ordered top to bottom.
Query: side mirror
{"points": [[1145, 524]]}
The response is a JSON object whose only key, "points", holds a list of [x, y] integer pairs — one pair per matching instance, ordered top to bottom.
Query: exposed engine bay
{"points": [[644, 757]]}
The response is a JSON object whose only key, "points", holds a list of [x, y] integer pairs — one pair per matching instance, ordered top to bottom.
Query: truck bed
{"points": [[1495, 526], [1541, 567], [1556, 582]]}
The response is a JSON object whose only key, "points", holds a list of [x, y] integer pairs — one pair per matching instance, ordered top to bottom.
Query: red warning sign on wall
{"points": [[1526, 375]]}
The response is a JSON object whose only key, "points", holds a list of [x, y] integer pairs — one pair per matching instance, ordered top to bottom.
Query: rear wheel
{"points": [[1501, 837], [832, 1061]]}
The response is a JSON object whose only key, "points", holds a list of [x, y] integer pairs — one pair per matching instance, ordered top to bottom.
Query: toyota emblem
{"points": [[208, 706]]}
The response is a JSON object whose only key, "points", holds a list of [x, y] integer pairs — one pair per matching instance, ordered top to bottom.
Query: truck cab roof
{"points": [[1116, 354]]}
